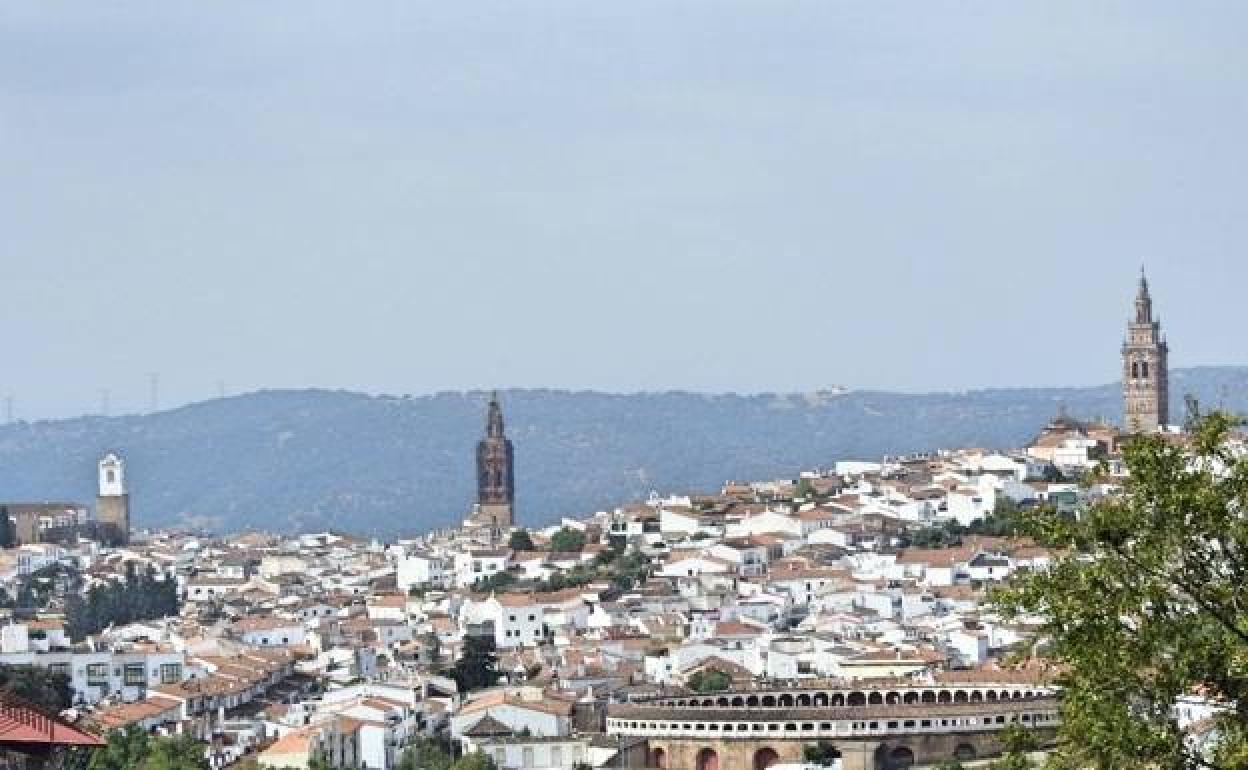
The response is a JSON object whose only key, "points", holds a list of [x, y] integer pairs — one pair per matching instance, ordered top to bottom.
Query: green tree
{"points": [[805, 489], [8, 530], [520, 540], [567, 540], [499, 581], [1145, 603], [477, 666], [709, 680], [38, 686], [1019, 743], [125, 749], [176, 752], [822, 753], [425, 754], [477, 760], [319, 762]]}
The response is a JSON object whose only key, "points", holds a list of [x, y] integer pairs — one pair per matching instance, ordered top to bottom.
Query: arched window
{"points": [[901, 757], [658, 758], [765, 758]]}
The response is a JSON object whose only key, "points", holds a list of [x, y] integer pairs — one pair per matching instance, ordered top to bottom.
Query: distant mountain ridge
{"points": [[310, 459]]}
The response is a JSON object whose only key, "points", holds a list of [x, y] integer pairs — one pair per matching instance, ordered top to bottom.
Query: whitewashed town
{"points": [[839, 618]]}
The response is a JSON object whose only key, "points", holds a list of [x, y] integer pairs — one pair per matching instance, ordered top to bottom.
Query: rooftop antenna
{"points": [[153, 383]]}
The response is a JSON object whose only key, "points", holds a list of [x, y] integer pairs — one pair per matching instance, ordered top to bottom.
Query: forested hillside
{"points": [[387, 465]]}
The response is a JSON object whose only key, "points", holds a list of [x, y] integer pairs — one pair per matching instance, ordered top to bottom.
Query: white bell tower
{"points": [[112, 476], [112, 504]]}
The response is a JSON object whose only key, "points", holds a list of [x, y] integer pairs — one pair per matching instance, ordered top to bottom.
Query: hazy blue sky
{"points": [[407, 197]]}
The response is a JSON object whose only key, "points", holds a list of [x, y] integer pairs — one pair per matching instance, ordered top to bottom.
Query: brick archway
{"points": [[765, 758]]}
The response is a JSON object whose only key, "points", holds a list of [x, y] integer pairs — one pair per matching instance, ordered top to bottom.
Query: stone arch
{"points": [[1027, 694], [992, 695], [1017, 695], [929, 696], [960, 696], [910, 697], [944, 697], [977, 697], [857, 698], [892, 698], [803, 699], [821, 699], [838, 699], [875, 699], [738, 701], [752, 701], [769, 701], [785, 701], [708, 702], [722, 702], [965, 752], [900, 757], [658, 758], [765, 758], [707, 760]]}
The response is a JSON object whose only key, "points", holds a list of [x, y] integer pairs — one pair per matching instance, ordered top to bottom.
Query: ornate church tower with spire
{"points": [[1145, 373], [496, 489]]}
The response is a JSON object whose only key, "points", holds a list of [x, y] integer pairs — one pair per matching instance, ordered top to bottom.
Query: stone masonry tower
{"points": [[1145, 374], [496, 489], [112, 504]]}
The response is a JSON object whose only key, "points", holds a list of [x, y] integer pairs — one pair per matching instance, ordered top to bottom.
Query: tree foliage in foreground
{"points": [[1149, 603], [132, 747]]}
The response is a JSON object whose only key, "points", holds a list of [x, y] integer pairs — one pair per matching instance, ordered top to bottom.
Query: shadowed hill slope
{"points": [[298, 460]]}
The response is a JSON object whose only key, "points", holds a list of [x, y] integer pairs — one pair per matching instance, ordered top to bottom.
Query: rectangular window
{"points": [[59, 668], [97, 673], [171, 673], [135, 675]]}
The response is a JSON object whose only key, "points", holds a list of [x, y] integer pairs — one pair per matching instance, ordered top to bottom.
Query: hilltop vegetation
{"points": [[310, 459]]}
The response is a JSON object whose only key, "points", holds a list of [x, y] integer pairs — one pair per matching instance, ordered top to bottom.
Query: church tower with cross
{"points": [[1145, 372], [496, 488]]}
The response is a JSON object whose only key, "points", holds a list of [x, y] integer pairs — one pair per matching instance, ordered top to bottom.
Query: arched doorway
{"points": [[964, 752], [900, 757], [658, 758], [765, 758], [707, 760]]}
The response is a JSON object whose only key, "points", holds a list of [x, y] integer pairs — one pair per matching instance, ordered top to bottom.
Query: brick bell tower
{"points": [[1145, 371], [496, 489]]}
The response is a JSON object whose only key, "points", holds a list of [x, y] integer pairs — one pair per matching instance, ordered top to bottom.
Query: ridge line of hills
{"points": [[312, 459]]}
